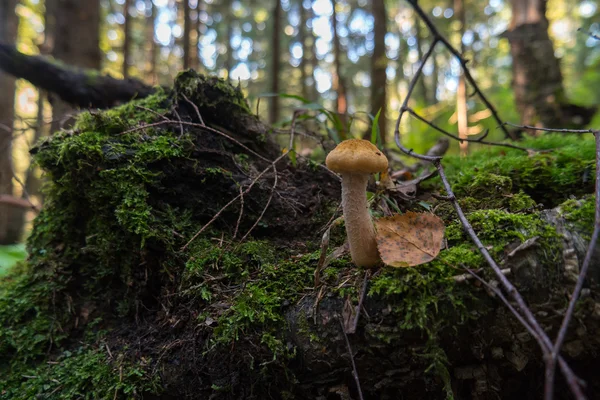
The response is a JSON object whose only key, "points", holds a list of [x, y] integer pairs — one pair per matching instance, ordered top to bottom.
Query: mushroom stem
{"points": [[359, 226]]}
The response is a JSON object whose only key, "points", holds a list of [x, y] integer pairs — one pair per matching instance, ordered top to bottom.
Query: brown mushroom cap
{"points": [[358, 156]]}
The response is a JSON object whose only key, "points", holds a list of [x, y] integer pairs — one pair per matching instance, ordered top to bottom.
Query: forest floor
{"points": [[125, 296]]}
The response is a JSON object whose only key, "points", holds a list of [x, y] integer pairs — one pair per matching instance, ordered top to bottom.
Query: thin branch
{"points": [[438, 37], [535, 128], [453, 136], [354, 370]]}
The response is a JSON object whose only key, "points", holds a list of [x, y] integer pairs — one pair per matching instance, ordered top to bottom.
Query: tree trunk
{"points": [[199, 27], [187, 29], [195, 37], [126, 38], [77, 40], [151, 42], [229, 55], [303, 59], [314, 61], [275, 62], [378, 67], [537, 79], [339, 85], [422, 87], [461, 91], [9, 228]]}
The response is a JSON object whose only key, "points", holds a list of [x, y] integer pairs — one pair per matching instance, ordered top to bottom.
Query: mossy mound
{"points": [[495, 177], [117, 301]]}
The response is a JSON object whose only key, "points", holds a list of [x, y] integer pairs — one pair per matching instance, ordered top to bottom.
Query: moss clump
{"points": [[565, 169], [581, 214], [86, 373]]}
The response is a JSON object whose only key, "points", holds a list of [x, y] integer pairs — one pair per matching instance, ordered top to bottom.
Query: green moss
{"points": [[229, 104], [547, 178], [580, 213], [86, 373]]}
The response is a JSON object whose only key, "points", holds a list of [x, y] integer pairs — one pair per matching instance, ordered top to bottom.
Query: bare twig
{"points": [[438, 37], [195, 108], [208, 128], [537, 128], [453, 136], [17, 202], [361, 300], [354, 370]]}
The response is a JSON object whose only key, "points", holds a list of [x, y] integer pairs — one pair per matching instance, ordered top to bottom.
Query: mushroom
{"points": [[355, 160]]}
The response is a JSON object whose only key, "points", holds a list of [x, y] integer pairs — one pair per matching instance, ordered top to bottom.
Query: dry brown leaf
{"points": [[409, 239]]}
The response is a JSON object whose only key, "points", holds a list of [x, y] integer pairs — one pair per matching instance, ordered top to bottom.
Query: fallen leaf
{"points": [[409, 239]]}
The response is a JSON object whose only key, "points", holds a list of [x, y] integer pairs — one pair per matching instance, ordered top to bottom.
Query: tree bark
{"points": [[199, 27], [126, 39], [77, 40], [151, 42], [229, 55], [303, 59], [314, 61], [275, 62], [378, 67], [537, 79], [339, 84], [71, 85], [422, 87], [9, 230]]}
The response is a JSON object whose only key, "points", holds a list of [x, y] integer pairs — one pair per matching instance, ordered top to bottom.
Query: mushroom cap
{"points": [[358, 156]]}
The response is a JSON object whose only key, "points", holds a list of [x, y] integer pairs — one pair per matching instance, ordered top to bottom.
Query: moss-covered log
{"points": [[115, 301]]}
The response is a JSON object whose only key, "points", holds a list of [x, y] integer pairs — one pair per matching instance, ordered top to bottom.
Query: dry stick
{"points": [[438, 37], [195, 108], [208, 128], [536, 128], [478, 140], [275, 180], [17, 202], [264, 210], [214, 218], [239, 220], [503, 298], [361, 300], [540, 336], [551, 365], [354, 370]]}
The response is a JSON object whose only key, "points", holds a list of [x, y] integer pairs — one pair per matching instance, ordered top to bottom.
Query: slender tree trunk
{"points": [[199, 28], [187, 29], [194, 37], [126, 38], [151, 42], [229, 55], [303, 60], [314, 61], [275, 62], [379, 63], [434, 77], [537, 79], [339, 84], [422, 87], [461, 92], [9, 225]]}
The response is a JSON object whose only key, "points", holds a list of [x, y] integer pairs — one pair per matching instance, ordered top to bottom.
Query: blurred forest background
{"points": [[353, 57]]}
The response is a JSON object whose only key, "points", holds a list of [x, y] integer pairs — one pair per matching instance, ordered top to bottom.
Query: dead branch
{"points": [[72, 85]]}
